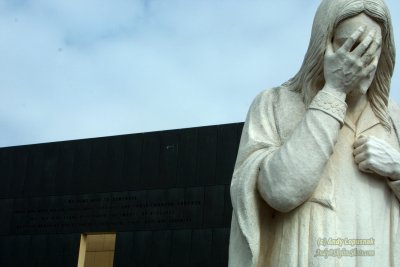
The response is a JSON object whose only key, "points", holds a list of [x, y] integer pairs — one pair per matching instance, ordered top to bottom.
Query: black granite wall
{"points": [[166, 194]]}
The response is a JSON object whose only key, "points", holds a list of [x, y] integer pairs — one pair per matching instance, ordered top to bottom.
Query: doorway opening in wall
{"points": [[96, 250]]}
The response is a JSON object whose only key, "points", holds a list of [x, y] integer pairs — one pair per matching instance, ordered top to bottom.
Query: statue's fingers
{"points": [[353, 39], [365, 44], [375, 46], [372, 51], [369, 69], [360, 141], [358, 150], [360, 157], [365, 166]]}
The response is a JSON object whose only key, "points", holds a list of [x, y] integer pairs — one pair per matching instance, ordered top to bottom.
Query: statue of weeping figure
{"points": [[317, 176]]}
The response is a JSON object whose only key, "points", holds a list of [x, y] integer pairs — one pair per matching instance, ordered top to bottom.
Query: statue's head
{"points": [[331, 14]]}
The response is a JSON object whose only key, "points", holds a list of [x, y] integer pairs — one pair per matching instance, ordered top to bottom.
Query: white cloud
{"points": [[80, 69]]}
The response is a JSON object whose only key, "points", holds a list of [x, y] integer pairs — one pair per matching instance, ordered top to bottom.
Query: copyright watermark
{"points": [[345, 242], [345, 247]]}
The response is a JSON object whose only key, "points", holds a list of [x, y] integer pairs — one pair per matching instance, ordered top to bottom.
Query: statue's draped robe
{"points": [[347, 203]]}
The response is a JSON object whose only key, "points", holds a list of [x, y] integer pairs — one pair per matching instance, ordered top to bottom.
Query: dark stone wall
{"points": [[166, 194], [39, 250]]}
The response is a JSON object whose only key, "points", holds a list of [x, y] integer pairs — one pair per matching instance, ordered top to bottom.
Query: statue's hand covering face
{"points": [[342, 17], [369, 43]]}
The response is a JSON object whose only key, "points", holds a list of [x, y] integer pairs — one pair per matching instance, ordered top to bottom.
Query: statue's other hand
{"points": [[352, 62], [372, 154]]}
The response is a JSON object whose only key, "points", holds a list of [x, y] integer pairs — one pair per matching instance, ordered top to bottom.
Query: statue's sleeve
{"points": [[274, 174], [290, 175], [250, 213]]}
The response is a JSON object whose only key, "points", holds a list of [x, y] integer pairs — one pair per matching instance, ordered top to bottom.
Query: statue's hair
{"points": [[310, 79]]}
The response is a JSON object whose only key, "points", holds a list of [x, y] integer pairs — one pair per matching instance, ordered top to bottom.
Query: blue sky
{"points": [[80, 69]]}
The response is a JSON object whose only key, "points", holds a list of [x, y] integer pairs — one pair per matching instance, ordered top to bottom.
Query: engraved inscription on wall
{"points": [[138, 210]]}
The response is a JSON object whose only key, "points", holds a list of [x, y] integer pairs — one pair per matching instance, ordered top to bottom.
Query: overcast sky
{"points": [[72, 69]]}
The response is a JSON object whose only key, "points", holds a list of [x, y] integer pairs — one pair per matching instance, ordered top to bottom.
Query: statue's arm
{"points": [[289, 176]]}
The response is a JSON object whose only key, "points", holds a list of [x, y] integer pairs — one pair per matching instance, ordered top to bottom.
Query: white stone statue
{"points": [[317, 177]]}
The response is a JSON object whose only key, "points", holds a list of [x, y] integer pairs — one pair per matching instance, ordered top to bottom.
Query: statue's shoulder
{"points": [[279, 96], [284, 107], [393, 107], [394, 112]]}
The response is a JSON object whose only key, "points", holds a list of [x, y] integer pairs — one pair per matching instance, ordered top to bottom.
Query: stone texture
{"points": [[316, 180]]}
